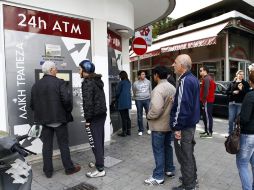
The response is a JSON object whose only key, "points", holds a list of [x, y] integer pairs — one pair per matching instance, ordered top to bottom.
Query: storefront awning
{"points": [[203, 37]]}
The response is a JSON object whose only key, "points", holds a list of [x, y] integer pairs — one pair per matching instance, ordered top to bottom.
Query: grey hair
{"points": [[186, 61], [47, 66], [251, 67]]}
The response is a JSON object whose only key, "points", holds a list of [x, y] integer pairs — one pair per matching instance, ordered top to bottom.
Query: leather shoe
{"points": [[122, 135], [75, 170], [48, 174]]}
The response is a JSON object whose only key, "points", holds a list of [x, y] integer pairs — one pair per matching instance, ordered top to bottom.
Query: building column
{"points": [[125, 56], [100, 59], [227, 70], [3, 97]]}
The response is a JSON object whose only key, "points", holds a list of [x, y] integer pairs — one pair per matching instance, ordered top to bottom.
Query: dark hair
{"points": [[205, 68], [141, 71], [161, 71], [123, 75], [251, 77]]}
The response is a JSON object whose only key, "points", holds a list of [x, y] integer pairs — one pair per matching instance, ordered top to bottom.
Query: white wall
{"points": [[100, 59], [3, 103]]}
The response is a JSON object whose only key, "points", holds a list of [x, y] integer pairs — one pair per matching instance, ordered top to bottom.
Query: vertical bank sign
{"points": [[32, 37]]}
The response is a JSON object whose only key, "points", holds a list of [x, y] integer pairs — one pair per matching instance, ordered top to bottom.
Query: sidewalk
{"points": [[216, 168]]}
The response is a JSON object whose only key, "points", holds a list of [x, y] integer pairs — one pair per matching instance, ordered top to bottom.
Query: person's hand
{"points": [[240, 86], [236, 92], [178, 135]]}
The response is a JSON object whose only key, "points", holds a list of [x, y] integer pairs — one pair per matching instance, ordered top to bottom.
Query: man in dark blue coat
{"points": [[51, 101], [184, 116]]}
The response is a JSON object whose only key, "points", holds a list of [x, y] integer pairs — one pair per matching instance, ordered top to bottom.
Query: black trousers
{"points": [[207, 116], [126, 121], [96, 139], [63, 144], [184, 150]]}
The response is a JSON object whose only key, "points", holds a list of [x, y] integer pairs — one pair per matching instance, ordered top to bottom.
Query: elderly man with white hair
{"points": [[251, 67], [51, 102], [184, 116]]}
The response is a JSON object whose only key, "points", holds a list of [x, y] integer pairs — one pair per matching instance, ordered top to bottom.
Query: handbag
{"points": [[232, 143]]}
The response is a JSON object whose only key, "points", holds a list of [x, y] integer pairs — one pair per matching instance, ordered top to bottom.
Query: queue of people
{"points": [[169, 112]]}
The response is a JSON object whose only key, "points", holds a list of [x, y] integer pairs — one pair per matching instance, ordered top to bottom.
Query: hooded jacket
{"points": [[94, 103]]}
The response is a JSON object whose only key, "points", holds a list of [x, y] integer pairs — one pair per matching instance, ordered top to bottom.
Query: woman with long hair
{"points": [[236, 91], [123, 97]]}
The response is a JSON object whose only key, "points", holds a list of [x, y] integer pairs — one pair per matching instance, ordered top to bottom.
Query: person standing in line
{"points": [[251, 67], [207, 90], [236, 91], [142, 93], [123, 97], [51, 101], [160, 106], [95, 112], [184, 116], [246, 154]]}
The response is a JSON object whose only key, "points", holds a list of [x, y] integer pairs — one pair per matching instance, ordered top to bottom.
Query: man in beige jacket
{"points": [[158, 119]]}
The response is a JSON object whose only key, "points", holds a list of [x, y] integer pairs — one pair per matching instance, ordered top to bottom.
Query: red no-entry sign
{"points": [[139, 46]]}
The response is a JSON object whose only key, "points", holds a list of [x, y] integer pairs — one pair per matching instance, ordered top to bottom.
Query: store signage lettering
{"points": [[32, 21], [38, 22], [21, 80]]}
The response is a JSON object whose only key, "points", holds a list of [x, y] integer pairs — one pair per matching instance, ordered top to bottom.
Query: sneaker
{"points": [[149, 132], [140, 133], [202, 133], [207, 136], [75, 170], [96, 173], [170, 174], [151, 181], [181, 187]]}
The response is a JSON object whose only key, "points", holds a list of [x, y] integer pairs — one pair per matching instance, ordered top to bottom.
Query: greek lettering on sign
{"points": [[21, 80]]}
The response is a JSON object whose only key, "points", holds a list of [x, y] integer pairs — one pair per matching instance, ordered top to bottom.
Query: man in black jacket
{"points": [[51, 101]]}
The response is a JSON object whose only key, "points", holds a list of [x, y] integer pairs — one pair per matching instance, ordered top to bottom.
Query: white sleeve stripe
{"points": [[179, 101]]}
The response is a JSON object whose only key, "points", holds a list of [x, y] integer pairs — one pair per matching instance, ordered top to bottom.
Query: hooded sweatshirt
{"points": [[142, 89], [94, 103]]}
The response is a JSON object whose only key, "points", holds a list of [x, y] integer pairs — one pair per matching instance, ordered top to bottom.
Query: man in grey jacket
{"points": [[142, 91], [159, 110]]}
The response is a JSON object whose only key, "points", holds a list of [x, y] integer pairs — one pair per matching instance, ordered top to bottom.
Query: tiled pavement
{"points": [[216, 168]]}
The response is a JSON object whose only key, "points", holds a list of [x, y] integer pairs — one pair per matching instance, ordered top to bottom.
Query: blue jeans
{"points": [[140, 104], [234, 110], [163, 154], [243, 158]]}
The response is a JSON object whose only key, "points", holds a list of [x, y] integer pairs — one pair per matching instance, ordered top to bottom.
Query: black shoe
{"points": [[128, 133], [202, 133], [122, 135], [207, 136], [75, 170], [48, 174], [181, 181], [181, 187]]}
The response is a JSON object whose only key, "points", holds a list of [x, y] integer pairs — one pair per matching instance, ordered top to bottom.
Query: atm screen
{"points": [[62, 74]]}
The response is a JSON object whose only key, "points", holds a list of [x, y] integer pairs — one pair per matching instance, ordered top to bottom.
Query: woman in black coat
{"points": [[123, 96]]}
